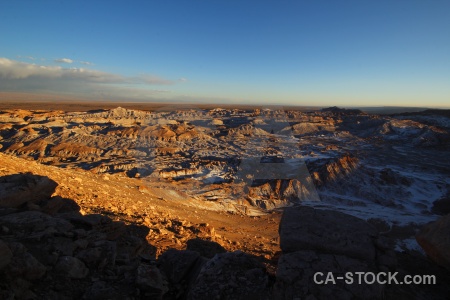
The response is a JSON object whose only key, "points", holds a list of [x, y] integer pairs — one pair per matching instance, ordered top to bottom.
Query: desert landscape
{"points": [[224, 150], [160, 201]]}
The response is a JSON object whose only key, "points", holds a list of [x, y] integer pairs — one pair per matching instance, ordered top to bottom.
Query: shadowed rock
{"points": [[18, 189], [442, 206], [27, 222], [326, 231], [434, 238], [326, 241], [205, 248], [57, 253], [5, 255], [177, 264], [71, 267], [180, 268], [296, 271], [231, 276], [151, 282]]}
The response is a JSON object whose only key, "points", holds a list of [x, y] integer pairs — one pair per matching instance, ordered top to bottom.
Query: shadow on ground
{"points": [[49, 250]]}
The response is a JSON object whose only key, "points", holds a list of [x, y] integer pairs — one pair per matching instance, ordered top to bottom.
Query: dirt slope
{"points": [[127, 199]]}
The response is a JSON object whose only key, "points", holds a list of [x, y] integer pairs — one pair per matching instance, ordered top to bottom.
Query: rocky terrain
{"points": [[231, 159], [186, 203], [52, 247]]}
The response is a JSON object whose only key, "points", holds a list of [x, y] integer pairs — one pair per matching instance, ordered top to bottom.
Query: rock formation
{"points": [[434, 238], [328, 241]]}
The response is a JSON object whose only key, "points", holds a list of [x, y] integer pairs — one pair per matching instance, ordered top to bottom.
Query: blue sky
{"points": [[345, 53]]}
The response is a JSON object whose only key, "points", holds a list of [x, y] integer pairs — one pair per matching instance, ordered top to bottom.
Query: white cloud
{"points": [[64, 60], [87, 63], [11, 69], [22, 76], [182, 79]]}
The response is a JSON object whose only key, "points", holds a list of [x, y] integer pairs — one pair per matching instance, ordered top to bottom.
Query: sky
{"points": [[311, 53]]}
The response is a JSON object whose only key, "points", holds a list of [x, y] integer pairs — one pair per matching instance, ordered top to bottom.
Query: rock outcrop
{"points": [[324, 171], [17, 189], [269, 194], [442, 206], [326, 231], [434, 238], [314, 240], [59, 256], [233, 275]]}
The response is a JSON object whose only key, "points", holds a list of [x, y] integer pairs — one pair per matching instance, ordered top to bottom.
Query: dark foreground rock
{"points": [[17, 189], [442, 206], [326, 231], [434, 238], [326, 241], [204, 247], [49, 250], [59, 253], [296, 271], [235, 275]]}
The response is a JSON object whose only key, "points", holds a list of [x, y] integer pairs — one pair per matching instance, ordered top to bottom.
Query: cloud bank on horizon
{"points": [[22, 76], [87, 83]]}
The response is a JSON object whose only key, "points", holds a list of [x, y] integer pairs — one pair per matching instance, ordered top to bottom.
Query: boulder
{"points": [[18, 189], [58, 204], [442, 206], [34, 221], [204, 230], [326, 231], [434, 238], [333, 244], [63, 245], [204, 247], [102, 255], [91, 256], [23, 264], [176, 264], [71, 267], [181, 268], [231, 276], [296, 277], [150, 281], [101, 290]]}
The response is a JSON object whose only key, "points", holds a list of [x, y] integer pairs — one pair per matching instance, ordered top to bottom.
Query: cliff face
{"points": [[329, 171], [269, 194]]}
